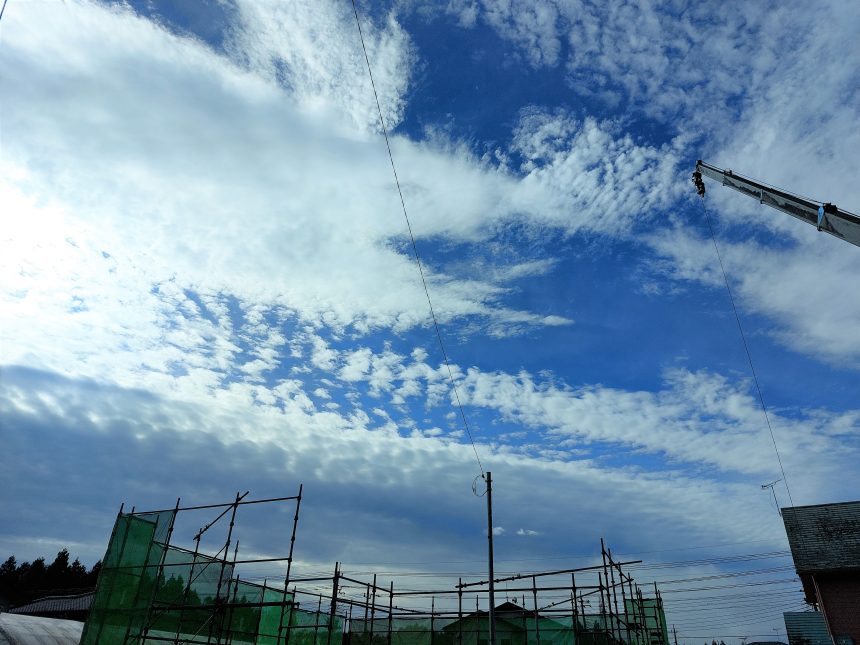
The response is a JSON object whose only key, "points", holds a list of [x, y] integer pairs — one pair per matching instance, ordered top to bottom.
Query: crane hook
{"points": [[697, 181]]}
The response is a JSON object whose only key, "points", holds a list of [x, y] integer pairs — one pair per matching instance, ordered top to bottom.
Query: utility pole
{"points": [[490, 540], [675, 632]]}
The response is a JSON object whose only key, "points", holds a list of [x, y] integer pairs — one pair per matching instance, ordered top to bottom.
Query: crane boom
{"points": [[824, 216]]}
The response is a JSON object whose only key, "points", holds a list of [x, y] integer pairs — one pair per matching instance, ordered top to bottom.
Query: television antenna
{"points": [[775, 500]]}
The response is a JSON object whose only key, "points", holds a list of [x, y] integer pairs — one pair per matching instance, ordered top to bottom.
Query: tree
{"points": [[8, 568], [57, 574], [77, 575], [93, 575], [8, 576], [34, 577], [22, 583]]}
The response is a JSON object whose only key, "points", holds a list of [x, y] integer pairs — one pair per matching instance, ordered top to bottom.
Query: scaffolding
{"points": [[152, 591], [599, 605]]}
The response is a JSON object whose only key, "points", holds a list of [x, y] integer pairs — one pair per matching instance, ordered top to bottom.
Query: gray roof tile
{"points": [[825, 537]]}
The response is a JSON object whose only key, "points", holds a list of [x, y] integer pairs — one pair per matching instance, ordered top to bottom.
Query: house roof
{"points": [[824, 537], [56, 604], [507, 609], [507, 612]]}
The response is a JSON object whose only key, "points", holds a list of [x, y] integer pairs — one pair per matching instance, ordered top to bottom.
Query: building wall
{"points": [[839, 595]]}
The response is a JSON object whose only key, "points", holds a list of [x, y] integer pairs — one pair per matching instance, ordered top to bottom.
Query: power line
{"points": [[3, 8], [412, 237], [747, 350], [692, 548], [718, 560], [659, 565], [449, 574], [733, 586], [744, 593], [732, 599], [718, 610], [740, 613], [722, 635]]}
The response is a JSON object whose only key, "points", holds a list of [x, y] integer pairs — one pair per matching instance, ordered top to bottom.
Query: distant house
{"points": [[825, 546], [68, 607], [645, 624], [514, 626], [806, 628]]}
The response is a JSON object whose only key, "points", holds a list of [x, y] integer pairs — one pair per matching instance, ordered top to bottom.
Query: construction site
{"points": [[373, 248], [151, 590]]}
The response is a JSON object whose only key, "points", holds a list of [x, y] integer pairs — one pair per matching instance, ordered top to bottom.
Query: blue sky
{"points": [[207, 282]]}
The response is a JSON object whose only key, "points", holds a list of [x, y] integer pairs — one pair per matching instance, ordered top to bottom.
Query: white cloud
{"points": [[530, 25], [314, 50], [690, 60], [734, 83], [211, 160], [597, 181], [122, 212], [799, 288], [696, 418], [398, 495], [527, 532]]}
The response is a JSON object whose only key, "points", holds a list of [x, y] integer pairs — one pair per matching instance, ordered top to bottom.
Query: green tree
{"points": [[8, 568], [57, 573], [77, 575], [34, 576], [8, 577], [22, 583]]}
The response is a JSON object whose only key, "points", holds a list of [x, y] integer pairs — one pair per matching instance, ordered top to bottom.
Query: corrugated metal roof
{"points": [[825, 537], [56, 604], [806, 628], [33, 630]]}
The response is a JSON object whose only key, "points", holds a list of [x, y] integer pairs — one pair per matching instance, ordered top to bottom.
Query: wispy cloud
{"points": [[527, 532]]}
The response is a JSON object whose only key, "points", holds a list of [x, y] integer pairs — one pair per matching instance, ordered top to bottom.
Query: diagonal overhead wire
{"points": [[412, 238], [747, 350]]}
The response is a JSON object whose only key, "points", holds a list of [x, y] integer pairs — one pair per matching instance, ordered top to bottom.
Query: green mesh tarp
{"points": [[127, 579], [152, 593], [648, 612], [270, 618], [312, 628], [469, 630]]}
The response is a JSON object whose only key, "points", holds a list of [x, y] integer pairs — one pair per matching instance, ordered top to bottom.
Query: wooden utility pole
{"points": [[490, 541]]}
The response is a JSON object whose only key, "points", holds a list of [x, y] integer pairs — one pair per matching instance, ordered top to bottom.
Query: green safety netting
{"points": [[127, 580], [149, 592], [315, 628], [522, 629], [469, 630]]}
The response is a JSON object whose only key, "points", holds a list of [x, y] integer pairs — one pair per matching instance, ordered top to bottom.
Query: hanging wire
{"points": [[3, 9], [414, 245], [746, 347]]}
